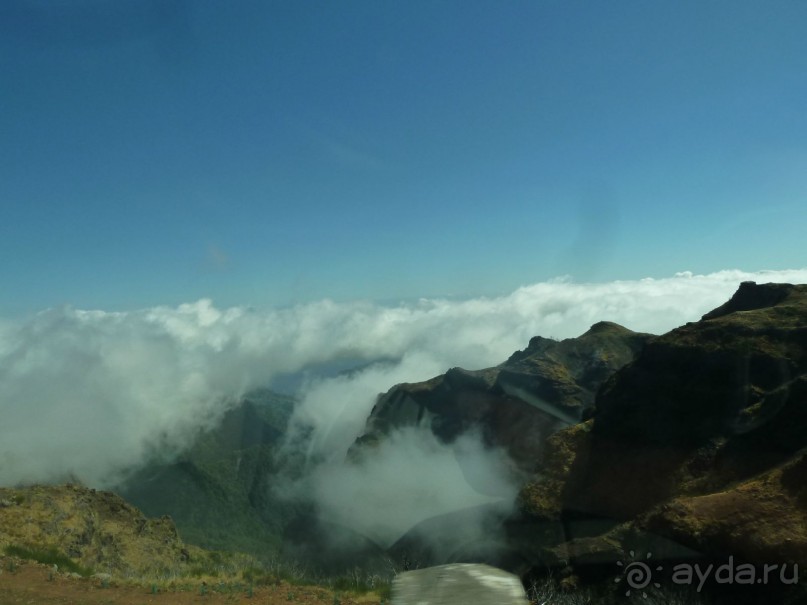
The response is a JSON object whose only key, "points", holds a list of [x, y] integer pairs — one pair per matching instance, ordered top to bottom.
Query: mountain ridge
{"points": [[701, 442]]}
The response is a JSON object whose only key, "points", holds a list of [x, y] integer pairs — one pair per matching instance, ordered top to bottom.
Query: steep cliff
{"points": [[516, 405]]}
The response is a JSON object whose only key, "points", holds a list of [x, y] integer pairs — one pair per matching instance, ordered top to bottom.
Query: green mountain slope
{"points": [[218, 492]]}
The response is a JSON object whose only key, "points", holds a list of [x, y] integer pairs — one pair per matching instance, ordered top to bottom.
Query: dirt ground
{"points": [[28, 583]]}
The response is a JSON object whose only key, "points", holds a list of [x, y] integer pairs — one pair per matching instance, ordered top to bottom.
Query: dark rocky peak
{"points": [[751, 296], [607, 327], [540, 346], [570, 371], [466, 379], [516, 404]]}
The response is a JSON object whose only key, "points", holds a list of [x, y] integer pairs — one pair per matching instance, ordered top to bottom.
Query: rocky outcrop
{"points": [[516, 405], [706, 405], [700, 442], [763, 520], [96, 529]]}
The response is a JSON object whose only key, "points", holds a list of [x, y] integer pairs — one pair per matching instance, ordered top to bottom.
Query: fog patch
{"points": [[408, 478]]}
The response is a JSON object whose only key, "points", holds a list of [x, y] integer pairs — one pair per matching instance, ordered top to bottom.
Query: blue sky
{"points": [[270, 153]]}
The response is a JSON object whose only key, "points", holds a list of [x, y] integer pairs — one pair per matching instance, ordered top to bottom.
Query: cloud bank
{"points": [[90, 394], [410, 477]]}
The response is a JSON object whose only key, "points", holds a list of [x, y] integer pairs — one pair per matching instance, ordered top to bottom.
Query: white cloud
{"points": [[91, 393], [410, 477]]}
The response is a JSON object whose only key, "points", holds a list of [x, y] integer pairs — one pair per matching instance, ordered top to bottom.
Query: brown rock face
{"points": [[517, 404], [702, 439], [762, 520]]}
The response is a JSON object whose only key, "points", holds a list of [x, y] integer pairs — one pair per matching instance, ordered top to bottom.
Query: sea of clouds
{"points": [[89, 395]]}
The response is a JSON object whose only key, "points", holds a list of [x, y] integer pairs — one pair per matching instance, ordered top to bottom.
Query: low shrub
{"points": [[48, 556]]}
